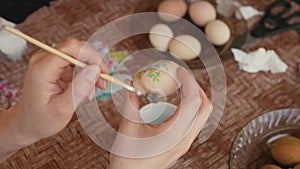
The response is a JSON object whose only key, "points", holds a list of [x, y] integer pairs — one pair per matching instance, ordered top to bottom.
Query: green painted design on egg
{"points": [[154, 74]]}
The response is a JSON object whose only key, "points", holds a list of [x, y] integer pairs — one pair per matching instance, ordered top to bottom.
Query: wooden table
{"points": [[249, 95]]}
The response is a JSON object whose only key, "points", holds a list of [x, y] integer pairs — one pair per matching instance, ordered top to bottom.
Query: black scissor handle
{"points": [[273, 23]]}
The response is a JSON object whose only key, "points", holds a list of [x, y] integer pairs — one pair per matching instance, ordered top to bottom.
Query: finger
{"points": [[76, 49], [84, 52], [87, 54], [90, 55], [36, 57], [51, 67], [67, 75], [101, 83], [83, 84], [63, 85], [189, 86], [190, 91], [133, 97], [191, 99], [131, 106], [202, 116], [198, 122]]}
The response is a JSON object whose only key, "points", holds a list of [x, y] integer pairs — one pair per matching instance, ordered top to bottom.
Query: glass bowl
{"points": [[249, 149]]}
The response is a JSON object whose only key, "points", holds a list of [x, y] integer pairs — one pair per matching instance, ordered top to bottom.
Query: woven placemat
{"points": [[249, 95]]}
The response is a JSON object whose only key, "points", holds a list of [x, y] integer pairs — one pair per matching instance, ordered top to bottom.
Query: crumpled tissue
{"points": [[229, 7], [247, 12], [11, 45], [259, 60]]}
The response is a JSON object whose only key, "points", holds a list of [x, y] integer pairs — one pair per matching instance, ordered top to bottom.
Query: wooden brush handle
{"points": [[44, 46], [65, 57], [117, 82]]}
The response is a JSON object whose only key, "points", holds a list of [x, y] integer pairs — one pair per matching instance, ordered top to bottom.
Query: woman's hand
{"points": [[50, 95], [194, 102]]}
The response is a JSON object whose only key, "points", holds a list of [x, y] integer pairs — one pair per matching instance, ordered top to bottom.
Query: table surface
{"points": [[248, 95]]}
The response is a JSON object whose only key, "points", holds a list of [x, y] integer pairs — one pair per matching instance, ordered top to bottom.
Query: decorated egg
{"points": [[160, 75]]}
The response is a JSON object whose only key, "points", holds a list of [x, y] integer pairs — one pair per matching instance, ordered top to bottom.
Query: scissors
{"points": [[274, 22]]}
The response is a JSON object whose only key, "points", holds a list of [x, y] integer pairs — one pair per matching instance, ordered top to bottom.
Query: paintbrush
{"points": [[68, 58]]}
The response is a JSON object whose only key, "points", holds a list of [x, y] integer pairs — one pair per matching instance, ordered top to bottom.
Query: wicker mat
{"points": [[249, 95]]}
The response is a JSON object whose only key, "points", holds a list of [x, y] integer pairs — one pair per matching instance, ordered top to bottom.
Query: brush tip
{"points": [[139, 93]]}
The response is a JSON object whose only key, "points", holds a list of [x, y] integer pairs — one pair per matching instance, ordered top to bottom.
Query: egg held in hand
{"points": [[158, 76]]}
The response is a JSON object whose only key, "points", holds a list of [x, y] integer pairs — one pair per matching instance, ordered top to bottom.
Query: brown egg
{"points": [[172, 10], [202, 12], [218, 32], [185, 47], [286, 150], [270, 166], [297, 166]]}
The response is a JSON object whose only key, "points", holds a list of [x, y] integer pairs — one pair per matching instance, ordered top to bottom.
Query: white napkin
{"points": [[229, 7], [247, 12], [5, 22], [11, 45], [259, 60]]}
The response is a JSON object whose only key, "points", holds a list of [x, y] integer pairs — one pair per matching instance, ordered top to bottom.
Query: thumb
{"points": [[82, 85], [131, 106]]}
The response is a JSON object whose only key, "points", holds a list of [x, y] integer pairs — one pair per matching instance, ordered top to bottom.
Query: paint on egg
{"points": [[160, 75]]}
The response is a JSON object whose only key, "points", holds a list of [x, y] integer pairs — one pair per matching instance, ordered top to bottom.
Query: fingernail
{"points": [[102, 83]]}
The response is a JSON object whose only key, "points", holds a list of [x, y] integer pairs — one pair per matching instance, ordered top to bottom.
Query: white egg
{"points": [[217, 32], [160, 36], [185, 47], [160, 75]]}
